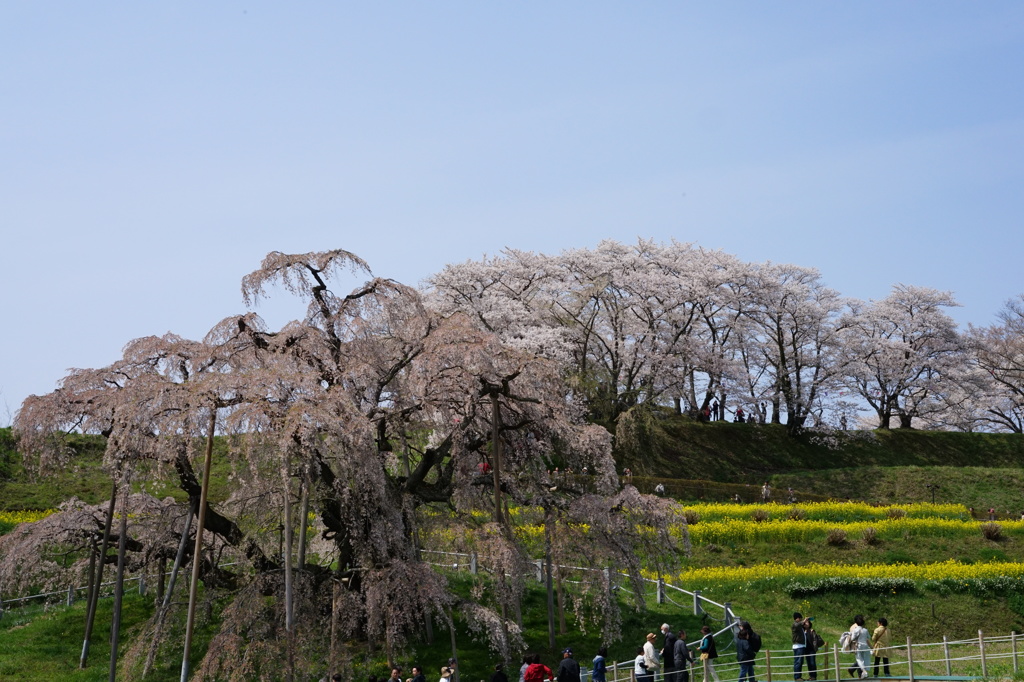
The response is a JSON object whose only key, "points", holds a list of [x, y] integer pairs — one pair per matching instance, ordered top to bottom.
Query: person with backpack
{"points": [[881, 640], [753, 642], [814, 644], [744, 656]]}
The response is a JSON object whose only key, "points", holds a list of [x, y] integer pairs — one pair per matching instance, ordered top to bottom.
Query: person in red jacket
{"points": [[538, 672]]}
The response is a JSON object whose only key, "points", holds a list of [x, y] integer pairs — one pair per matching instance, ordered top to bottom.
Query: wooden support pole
{"points": [[197, 553], [90, 615], [115, 627], [981, 645], [1013, 649], [945, 653], [910, 660], [835, 661], [768, 665]]}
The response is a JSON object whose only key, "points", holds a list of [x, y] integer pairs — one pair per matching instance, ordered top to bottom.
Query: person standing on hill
{"points": [[766, 492], [881, 640]]}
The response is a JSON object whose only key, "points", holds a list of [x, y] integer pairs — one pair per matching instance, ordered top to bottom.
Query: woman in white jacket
{"points": [[862, 646]]}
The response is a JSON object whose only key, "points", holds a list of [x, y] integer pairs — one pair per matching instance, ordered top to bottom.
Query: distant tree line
{"points": [[674, 324]]}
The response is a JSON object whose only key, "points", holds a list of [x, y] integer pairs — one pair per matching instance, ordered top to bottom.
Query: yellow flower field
{"points": [[828, 511], [14, 518], [951, 569]]}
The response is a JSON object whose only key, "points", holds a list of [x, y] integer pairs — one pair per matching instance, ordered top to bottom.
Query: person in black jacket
{"points": [[668, 653], [568, 669], [499, 674]]}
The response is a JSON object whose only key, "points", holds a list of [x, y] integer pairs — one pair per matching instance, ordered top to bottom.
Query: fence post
{"points": [[472, 563], [142, 584], [661, 591], [71, 595], [696, 603], [981, 645], [1013, 648], [945, 653], [910, 660], [835, 661], [767, 666], [615, 671]]}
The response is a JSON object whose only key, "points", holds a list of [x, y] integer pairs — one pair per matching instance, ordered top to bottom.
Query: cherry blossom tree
{"points": [[791, 343], [904, 352], [998, 353], [371, 408]]}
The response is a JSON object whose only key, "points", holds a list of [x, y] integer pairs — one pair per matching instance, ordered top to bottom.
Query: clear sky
{"points": [[152, 153]]}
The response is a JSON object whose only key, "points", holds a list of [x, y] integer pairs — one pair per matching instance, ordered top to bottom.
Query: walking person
{"points": [[766, 493], [881, 639], [754, 642], [861, 646], [668, 653], [708, 654], [651, 655], [744, 656], [682, 658], [527, 660], [600, 667], [568, 669], [538, 672], [640, 673], [499, 674]]}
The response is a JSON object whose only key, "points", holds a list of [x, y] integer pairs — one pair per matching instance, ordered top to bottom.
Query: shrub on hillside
{"points": [[896, 513], [797, 514], [760, 515], [691, 516], [992, 531], [870, 536], [836, 537]]}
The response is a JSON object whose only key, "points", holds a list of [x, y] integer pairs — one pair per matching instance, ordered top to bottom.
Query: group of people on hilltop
{"points": [[715, 412]]}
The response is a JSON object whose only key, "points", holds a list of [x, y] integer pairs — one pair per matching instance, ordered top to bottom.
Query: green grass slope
{"points": [[746, 453]]}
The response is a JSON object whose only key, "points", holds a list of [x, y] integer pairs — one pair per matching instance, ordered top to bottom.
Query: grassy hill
{"points": [[746, 453]]}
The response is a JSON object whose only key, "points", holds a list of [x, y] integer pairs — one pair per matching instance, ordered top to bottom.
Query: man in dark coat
{"points": [[668, 653], [568, 669]]}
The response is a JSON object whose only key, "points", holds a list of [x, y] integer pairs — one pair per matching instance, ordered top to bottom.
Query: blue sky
{"points": [[154, 152]]}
